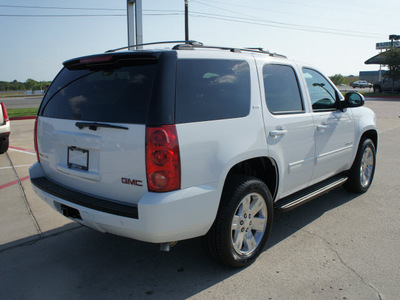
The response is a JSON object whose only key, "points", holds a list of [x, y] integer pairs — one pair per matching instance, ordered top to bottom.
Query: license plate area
{"points": [[78, 158]]}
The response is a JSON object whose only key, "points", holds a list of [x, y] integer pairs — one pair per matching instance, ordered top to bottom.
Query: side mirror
{"points": [[353, 100]]}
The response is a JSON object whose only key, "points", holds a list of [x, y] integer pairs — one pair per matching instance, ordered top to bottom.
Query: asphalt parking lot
{"points": [[22, 102], [339, 246]]}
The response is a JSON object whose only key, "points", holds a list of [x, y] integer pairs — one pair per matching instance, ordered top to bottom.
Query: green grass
{"points": [[348, 80], [372, 94], [5, 95], [383, 95], [21, 112]]}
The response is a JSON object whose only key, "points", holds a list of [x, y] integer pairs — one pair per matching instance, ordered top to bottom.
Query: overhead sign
{"points": [[387, 45]]}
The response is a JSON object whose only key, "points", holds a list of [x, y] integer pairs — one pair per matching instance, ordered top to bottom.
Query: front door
{"points": [[334, 129]]}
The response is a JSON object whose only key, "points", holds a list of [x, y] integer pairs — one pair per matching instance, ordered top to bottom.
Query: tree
{"points": [[393, 63], [337, 79], [31, 84]]}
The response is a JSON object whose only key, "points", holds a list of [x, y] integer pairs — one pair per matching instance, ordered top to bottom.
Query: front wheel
{"points": [[362, 172], [243, 223]]}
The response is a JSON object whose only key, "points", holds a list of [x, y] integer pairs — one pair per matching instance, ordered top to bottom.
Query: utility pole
{"points": [[186, 20], [135, 23]]}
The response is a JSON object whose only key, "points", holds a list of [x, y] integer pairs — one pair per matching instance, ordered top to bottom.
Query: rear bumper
{"points": [[4, 133], [103, 205], [157, 218]]}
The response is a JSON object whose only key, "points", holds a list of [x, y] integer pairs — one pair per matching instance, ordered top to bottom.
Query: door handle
{"points": [[322, 127], [278, 132]]}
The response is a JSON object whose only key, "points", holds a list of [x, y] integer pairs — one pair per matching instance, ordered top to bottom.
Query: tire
{"points": [[3, 145], [362, 172], [243, 222]]}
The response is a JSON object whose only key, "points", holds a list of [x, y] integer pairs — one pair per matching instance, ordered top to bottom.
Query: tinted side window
{"points": [[210, 89], [281, 89], [323, 95], [117, 96]]}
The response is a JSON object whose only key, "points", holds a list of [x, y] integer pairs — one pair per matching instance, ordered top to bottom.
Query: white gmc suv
{"points": [[167, 145]]}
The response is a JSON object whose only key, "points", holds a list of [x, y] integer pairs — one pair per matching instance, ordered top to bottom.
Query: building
{"points": [[371, 76]]}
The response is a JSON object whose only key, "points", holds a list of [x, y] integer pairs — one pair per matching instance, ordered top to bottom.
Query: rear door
{"points": [[288, 126], [91, 127]]}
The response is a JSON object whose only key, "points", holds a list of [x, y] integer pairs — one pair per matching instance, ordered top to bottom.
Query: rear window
{"points": [[210, 89], [282, 91], [114, 95]]}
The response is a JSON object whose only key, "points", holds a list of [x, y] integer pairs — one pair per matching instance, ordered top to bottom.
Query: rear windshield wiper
{"points": [[95, 125]]}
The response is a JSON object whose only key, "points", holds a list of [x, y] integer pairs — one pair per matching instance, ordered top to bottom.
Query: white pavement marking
{"points": [[379, 132]]}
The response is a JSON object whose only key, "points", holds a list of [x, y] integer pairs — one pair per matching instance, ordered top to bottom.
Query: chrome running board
{"points": [[310, 193]]}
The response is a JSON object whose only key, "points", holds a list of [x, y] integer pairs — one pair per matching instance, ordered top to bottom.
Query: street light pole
{"points": [[135, 20]]}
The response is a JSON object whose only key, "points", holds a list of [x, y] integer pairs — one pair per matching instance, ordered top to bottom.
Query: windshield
{"points": [[118, 95]]}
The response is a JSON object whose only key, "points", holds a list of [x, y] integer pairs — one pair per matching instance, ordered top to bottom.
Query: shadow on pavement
{"points": [[286, 224], [82, 263]]}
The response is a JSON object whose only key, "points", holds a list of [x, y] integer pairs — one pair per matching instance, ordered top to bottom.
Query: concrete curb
{"points": [[383, 97], [22, 118]]}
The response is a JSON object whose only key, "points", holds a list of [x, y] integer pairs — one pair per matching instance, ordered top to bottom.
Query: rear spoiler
{"points": [[114, 60]]}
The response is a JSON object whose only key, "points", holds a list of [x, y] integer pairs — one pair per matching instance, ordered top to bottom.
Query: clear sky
{"points": [[335, 36]]}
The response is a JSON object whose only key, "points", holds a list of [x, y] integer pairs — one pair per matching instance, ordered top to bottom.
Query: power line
{"points": [[58, 7], [84, 8], [91, 15], [61, 16], [251, 21], [283, 25], [313, 28]]}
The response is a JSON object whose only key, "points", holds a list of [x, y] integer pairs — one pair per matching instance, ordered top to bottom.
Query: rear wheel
{"points": [[362, 172], [243, 223]]}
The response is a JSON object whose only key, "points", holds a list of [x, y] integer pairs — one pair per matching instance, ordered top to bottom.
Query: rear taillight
{"points": [[5, 115], [35, 140], [163, 163]]}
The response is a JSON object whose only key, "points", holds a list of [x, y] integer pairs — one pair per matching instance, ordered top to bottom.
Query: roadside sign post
{"points": [[393, 37], [394, 43]]}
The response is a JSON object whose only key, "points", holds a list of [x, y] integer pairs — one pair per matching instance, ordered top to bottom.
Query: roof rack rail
{"points": [[190, 42], [190, 45], [231, 49]]}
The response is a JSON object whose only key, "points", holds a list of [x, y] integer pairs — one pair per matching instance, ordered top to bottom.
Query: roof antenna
{"points": [[186, 21]]}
